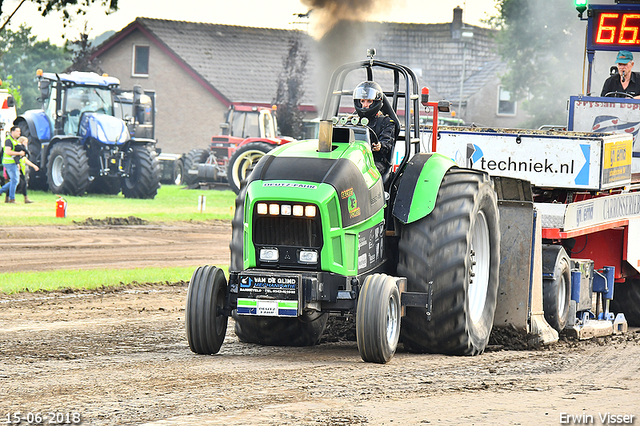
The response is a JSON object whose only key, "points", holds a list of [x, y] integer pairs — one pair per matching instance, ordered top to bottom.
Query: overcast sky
{"points": [[254, 13]]}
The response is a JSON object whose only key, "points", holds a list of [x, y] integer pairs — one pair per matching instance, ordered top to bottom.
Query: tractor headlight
{"points": [[298, 210], [310, 211], [269, 255], [308, 256]]}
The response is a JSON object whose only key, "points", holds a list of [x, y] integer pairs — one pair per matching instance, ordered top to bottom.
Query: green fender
{"points": [[419, 186]]}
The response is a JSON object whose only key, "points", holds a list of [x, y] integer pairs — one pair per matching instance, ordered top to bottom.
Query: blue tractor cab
{"points": [[81, 145]]}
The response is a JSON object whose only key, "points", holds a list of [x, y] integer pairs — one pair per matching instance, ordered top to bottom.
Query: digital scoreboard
{"points": [[613, 27]]}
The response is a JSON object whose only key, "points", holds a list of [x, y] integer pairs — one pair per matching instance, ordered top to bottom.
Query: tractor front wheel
{"points": [[243, 161], [68, 169], [144, 174], [456, 248], [378, 319], [205, 320]]}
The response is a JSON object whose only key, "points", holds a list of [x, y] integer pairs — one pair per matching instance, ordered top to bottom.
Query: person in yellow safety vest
{"points": [[23, 145], [10, 165]]}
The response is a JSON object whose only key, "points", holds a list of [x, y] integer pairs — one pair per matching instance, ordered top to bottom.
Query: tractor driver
{"points": [[625, 83], [367, 98]]}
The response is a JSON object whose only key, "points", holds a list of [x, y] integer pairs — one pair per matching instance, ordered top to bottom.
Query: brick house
{"points": [[199, 70]]}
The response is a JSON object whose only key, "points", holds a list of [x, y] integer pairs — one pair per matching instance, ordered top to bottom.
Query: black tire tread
{"points": [[191, 161], [76, 169], [145, 178], [435, 248], [550, 289], [205, 297], [371, 332]]}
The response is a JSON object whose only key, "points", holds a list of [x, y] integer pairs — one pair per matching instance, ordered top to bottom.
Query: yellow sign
{"points": [[618, 154], [616, 165]]}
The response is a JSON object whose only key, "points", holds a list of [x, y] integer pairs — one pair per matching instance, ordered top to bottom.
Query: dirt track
{"points": [[121, 357]]}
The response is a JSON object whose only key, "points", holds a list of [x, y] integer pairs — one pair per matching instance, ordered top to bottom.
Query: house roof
{"points": [[437, 57], [237, 64], [242, 64]]}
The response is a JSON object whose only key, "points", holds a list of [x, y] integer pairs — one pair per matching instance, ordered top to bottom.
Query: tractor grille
{"points": [[287, 231]]}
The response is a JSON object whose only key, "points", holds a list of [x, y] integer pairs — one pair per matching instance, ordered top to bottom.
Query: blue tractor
{"points": [[82, 145]]}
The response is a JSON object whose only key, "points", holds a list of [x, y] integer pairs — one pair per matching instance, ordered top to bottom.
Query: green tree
{"points": [[81, 6], [542, 42], [81, 50], [22, 56], [8, 84], [291, 90]]}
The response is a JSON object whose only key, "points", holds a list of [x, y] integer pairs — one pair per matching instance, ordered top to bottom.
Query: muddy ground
{"points": [[121, 357]]}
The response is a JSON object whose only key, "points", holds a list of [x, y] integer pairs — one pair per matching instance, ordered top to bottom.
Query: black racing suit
{"points": [[385, 130]]}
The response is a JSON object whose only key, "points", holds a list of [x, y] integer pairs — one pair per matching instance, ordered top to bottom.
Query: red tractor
{"points": [[248, 134]]}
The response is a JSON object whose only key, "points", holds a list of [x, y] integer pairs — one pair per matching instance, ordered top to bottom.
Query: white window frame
{"points": [[133, 61], [506, 114]]}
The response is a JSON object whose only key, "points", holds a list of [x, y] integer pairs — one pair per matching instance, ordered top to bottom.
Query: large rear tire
{"points": [[191, 161], [243, 161], [68, 169], [144, 174], [456, 247], [556, 293], [626, 299], [378, 319], [205, 320], [302, 331]]}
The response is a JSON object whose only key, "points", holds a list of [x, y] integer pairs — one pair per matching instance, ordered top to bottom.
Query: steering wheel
{"points": [[613, 95]]}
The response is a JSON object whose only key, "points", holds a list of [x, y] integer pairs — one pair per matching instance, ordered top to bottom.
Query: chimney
{"points": [[456, 25]]}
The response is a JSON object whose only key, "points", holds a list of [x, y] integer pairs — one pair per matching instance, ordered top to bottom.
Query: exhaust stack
{"points": [[325, 135]]}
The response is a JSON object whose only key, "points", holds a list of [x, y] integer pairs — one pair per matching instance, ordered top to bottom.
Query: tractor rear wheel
{"points": [[191, 161], [243, 161], [68, 169], [144, 174], [457, 248], [556, 293], [626, 299], [378, 318], [205, 320], [302, 331]]}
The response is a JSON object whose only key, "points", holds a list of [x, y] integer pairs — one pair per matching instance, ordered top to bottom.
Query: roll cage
{"points": [[407, 92]]}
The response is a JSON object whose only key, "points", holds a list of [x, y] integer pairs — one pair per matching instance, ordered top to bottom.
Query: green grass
{"points": [[172, 204], [89, 279]]}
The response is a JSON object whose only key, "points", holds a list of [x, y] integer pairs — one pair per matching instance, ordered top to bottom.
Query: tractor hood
{"points": [[103, 128], [348, 168]]}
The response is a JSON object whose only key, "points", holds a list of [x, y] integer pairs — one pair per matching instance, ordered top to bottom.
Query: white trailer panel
{"points": [[581, 161]]}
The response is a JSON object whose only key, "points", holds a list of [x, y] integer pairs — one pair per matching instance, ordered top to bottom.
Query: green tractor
{"points": [[412, 255]]}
